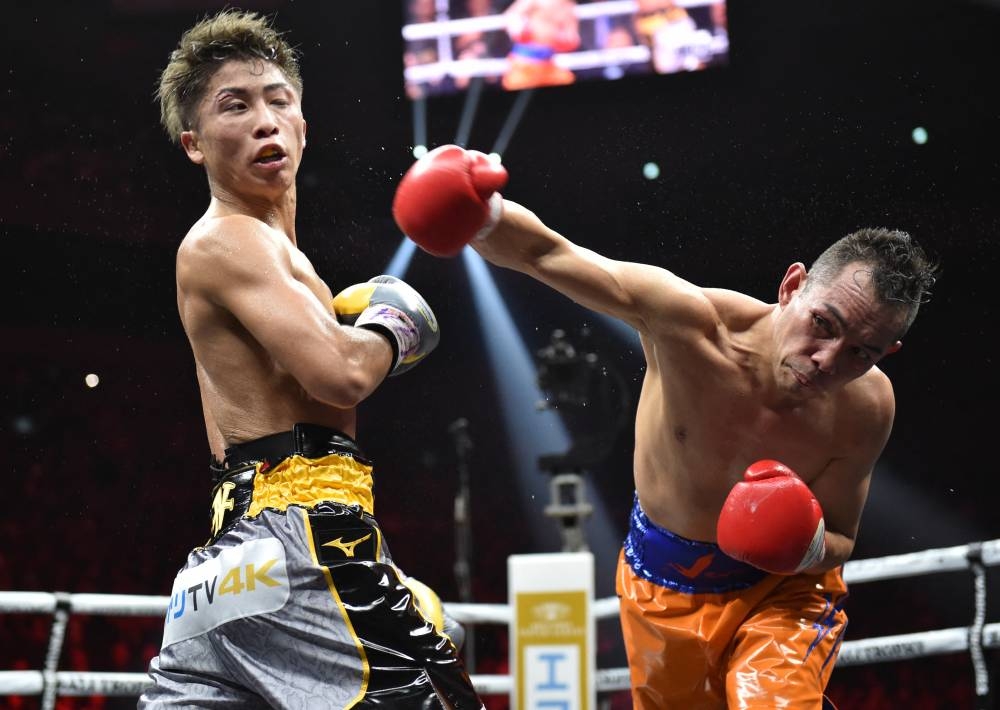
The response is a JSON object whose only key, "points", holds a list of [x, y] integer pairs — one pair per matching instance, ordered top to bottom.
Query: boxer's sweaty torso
{"points": [[245, 393], [696, 435]]}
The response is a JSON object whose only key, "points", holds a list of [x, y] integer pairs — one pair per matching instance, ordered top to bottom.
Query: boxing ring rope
{"points": [[486, 23], [976, 557]]}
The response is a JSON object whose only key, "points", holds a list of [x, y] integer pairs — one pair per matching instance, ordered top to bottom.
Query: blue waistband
{"points": [[533, 51], [672, 561]]}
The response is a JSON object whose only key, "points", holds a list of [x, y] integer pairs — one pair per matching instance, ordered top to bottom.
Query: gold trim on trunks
{"points": [[307, 482]]}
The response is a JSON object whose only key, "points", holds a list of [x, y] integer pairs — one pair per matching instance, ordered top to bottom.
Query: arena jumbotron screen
{"points": [[525, 44]]}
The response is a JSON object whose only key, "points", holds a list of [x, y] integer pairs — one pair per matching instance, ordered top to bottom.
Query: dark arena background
{"points": [[824, 117]]}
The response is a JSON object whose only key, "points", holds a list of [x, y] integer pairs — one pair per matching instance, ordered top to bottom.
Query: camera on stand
{"points": [[592, 398]]}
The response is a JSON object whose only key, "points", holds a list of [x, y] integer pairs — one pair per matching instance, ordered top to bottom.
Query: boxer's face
{"points": [[250, 132], [831, 333]]}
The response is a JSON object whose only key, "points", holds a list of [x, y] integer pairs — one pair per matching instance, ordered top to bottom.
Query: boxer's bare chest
{"points": [[697, 430]]}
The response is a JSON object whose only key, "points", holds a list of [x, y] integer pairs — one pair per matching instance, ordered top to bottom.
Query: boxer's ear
{"points": [[189, 142], [793, 282]]}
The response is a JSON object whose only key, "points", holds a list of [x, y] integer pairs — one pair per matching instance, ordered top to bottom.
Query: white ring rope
{"points": [[431, 30], [497, 66], [975, 556], [913, 564]]}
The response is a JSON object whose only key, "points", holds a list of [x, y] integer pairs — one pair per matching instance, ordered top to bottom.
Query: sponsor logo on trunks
{"points": [[220, 504], [346, 547], [697, 567], [244, 581]]}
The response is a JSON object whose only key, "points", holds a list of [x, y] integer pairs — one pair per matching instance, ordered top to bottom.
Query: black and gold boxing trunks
{"points": [[295, 602]]}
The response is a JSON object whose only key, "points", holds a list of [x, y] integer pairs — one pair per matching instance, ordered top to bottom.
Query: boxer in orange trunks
{"points": [[539, 30], [757, 430], [684, 602]]}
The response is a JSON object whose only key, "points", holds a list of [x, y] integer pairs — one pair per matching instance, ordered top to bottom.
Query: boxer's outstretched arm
{"points": [[450, 198], [239, 264], [642, 295]]}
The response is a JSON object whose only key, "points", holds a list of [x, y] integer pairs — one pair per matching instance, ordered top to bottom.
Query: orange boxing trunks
{"points": [[703, 630]]}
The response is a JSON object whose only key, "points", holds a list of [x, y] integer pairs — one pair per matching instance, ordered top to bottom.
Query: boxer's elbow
{"points": [[343, 383], [344, 391], [839, 549]]}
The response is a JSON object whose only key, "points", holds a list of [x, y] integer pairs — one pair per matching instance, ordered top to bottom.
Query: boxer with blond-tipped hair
{"points": [[294, 600]]}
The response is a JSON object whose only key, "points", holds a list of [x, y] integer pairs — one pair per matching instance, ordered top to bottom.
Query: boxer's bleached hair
{"points": [[229, 34], [899, 268]]}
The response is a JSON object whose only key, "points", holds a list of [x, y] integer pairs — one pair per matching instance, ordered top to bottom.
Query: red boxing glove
{"points": [[449, 197], [772, 521]]}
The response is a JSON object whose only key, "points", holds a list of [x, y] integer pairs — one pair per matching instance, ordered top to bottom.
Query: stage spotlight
{"points": [[469, 111], [513, 119], [419, 126], [919, 135], [419, 151], [651, 171], [401, 259], [626, 332], [23, 425], [530, 431], [534, 432], [893, 504]]}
